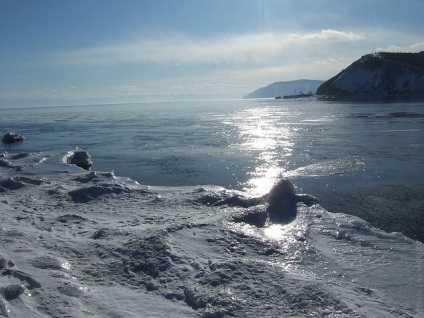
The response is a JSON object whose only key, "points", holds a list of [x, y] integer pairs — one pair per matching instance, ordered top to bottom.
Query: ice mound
{"points": [[80, 158], [10, 184], [89, 193], [49, 262], [12, 291]]}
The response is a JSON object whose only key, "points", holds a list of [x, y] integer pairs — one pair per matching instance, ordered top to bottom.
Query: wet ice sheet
{"points": [[77, 243]]}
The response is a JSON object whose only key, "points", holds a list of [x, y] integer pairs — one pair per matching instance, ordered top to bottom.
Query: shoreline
{"points": [[372, 98], [392, 206]]}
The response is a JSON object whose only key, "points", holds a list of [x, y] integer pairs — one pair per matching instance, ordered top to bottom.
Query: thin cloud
{"points": [[329, 36], [416, 47], [260, 48], [232, 64]]}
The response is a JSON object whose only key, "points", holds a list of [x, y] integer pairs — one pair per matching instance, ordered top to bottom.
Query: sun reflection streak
{"points": [[270, 141], [278, 232], [291, 240]]}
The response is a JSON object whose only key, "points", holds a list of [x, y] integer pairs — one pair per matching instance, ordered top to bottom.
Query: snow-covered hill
{"points": [[379, 75], [286, 88]]}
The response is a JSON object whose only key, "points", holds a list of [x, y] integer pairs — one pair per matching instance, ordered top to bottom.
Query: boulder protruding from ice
{"points": [[11, 137], [80, 158]]}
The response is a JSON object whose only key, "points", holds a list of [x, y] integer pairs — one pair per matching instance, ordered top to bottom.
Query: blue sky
{"points": [[141, 50]]}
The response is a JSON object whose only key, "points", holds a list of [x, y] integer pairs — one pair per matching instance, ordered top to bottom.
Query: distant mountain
{"points": [[379, 76], [286, 88]]}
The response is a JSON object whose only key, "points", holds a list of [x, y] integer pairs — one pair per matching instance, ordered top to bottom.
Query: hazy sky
{"points": [[59, 49]]}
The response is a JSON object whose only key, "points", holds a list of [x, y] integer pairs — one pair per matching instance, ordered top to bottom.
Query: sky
{"points": [[137, 50]]}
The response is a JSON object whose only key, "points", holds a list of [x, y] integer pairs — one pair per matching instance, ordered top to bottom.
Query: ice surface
{"points": [[328, 167], [88, 244]]}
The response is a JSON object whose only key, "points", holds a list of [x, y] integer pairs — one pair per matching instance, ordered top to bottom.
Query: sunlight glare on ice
{"points": [[260, 132]]}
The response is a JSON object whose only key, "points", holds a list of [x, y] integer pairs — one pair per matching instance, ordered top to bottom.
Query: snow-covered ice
{"points": [[91, 244]]}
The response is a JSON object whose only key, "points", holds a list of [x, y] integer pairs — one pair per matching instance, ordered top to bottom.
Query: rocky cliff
{"points": [[379, 76]]}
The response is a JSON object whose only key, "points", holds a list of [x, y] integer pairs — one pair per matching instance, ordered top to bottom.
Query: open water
{"points": [[242, 144]]}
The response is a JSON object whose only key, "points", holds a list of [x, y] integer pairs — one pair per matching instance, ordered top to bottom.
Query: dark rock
{"points": [[11, 138], [80, 158], [11, 184], [3, 262], [32, 283], [12, 291]]}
